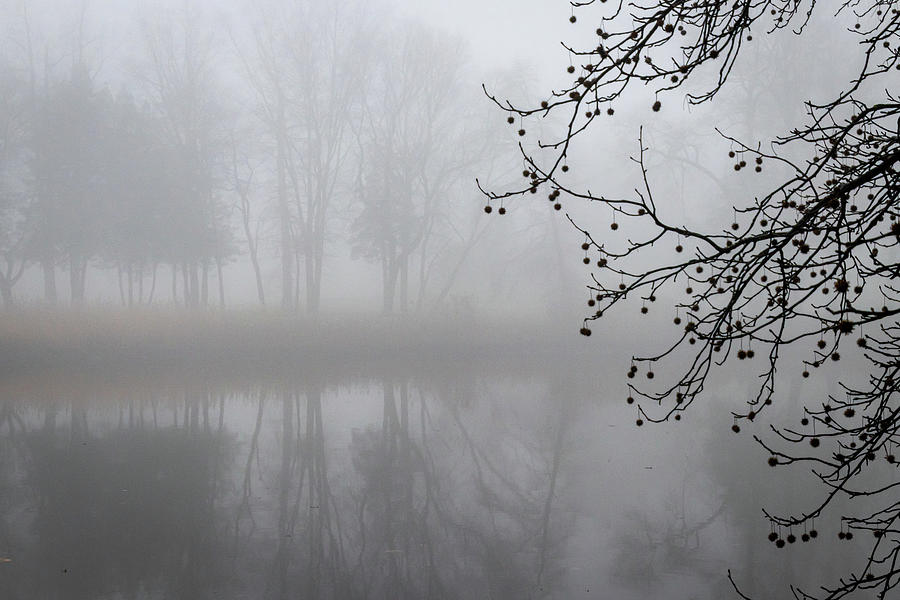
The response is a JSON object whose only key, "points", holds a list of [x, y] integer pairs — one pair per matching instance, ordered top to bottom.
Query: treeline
{"points": [[266, 135]]}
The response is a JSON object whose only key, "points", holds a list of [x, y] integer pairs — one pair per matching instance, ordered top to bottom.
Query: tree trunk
{"points": [[284, 214], [252, 246], [77, 268], [129, 272], [49, 280], [221, 281], [140, 282], [152, 283], [404, 283], [186, 284], [195, 284], [389, 284], [121, 285], [204, 289], [6, 293], [313, 294]]}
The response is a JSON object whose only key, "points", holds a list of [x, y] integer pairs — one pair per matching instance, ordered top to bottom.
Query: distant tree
{"points": [[307, 66], [183, 87], [417, 141], [67, 176], [13, 193], [137, 210], [810, 260]]}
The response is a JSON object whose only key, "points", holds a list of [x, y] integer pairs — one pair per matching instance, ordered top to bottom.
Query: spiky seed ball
{"points": [[572, 19], [571, 69], [544, 104], [656, 106], [510, 120], [521, 132], [565, 168], [557, 206], [488, 209], [501, 211], [614, 226], [585, 246], [586, 260], [585, 332], [742, 354], [649, 374], [629, 400], [804, 421], [639, 422], [735, 428], [814, 442], [813, 533], [841, 535], [773, 536], [848, 536], [804, 537], [791, 538], [779, 543]]}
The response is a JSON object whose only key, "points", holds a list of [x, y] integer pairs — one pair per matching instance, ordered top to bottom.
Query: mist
{"points": [[271, 326]]}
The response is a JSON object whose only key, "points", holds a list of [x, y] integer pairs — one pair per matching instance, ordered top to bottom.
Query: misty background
{"points": [[162, 163]]}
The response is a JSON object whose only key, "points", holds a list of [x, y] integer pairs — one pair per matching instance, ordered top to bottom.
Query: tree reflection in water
{"points": [[452, 486]]}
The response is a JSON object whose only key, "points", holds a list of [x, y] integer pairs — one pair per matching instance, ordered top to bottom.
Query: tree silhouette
{"points": [[810, 263]]}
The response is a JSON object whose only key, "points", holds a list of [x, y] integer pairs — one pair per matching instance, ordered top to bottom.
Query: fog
{"points": [[260, 337]]}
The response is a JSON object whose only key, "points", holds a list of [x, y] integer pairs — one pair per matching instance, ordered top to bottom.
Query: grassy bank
{"points": [[115, 341]]}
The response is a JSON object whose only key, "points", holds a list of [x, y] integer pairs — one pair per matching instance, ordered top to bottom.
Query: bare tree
{"points": [[182, 84], [13, 195], [809, 263]]}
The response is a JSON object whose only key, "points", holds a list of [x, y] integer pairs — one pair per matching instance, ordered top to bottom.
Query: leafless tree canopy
{"points": [[810, 262]]}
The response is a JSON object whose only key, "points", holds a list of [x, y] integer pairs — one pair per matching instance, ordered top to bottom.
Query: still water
{"points": [[470, 485]]}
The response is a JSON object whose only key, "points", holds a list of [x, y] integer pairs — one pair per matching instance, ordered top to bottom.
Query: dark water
{"points": [[462, 486]]}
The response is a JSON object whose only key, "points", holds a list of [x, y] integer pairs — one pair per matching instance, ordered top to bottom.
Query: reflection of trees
{"points": [[141, 498], [443, 510], [129, 511], [309, 552], [395, 557]]}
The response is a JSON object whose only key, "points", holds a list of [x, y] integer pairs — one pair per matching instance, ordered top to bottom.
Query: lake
{"points": [[458, 484]]}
